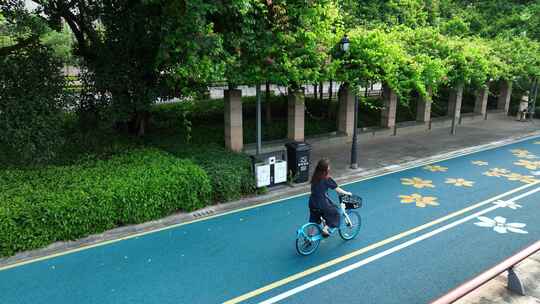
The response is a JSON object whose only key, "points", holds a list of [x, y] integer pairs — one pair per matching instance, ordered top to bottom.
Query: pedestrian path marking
{"points": [[435, 168], [417, 182], [459, 182], [419, 200], [373, 246], [388, 252]]}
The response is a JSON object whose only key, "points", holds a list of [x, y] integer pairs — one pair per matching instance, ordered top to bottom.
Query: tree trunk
{"points": [[321, 87], [330, 88], [315, 91], [267, 103], [138, 123]]}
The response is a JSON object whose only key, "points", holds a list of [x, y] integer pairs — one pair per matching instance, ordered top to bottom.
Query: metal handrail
{"points": [[506, 265]]}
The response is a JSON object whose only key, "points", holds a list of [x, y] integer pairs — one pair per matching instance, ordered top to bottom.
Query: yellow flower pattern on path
{"points": [[520, 151], [525, 155], [479, 163], [531, 165], [435, 168], [496, 172], [527, 179], [417, 182], [459, 182], [419, 200]]}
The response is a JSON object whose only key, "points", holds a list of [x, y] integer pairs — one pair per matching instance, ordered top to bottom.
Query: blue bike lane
{"points": [[249, 255]]}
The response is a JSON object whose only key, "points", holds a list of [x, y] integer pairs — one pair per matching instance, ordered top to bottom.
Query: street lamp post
{"points": [[345, 44], [258, 93], [534, 94], [354, 145]]}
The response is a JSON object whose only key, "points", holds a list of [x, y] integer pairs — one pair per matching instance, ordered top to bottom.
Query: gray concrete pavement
{"points": [[385, 150], [495, 291]]}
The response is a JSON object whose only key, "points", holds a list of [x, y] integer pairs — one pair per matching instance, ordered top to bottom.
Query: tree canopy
{"points": [[135, 51]]}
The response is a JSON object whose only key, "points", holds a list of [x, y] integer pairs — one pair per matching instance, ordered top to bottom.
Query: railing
{"points": [[514, 284]]}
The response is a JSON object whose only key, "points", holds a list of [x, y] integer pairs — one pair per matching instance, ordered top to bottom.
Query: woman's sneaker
{"points": [[325, 231]]}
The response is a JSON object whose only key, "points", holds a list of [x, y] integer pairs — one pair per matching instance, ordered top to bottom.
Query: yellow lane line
{"points": [[373, 246]]}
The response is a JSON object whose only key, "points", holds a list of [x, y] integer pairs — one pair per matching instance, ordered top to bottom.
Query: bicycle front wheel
{"points": [[349, 231], [308, 239]]}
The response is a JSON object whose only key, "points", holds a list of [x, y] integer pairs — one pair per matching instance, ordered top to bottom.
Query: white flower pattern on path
{"points": [[507, 204], [500, 225]]}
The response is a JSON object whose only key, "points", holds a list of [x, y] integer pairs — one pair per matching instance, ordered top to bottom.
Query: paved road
{"points": [[425, 230]]}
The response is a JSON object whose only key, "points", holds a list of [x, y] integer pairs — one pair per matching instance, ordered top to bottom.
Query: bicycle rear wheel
{"points": [[349, 232], [308, 239]]}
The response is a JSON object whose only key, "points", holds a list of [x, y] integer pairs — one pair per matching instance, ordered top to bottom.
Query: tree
{"points": [[389, 13], [286, 41], [135, 51], [375, 56], [32, 101]]}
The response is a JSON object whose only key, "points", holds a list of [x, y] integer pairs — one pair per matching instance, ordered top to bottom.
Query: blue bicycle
{"points": [[309, 236]]}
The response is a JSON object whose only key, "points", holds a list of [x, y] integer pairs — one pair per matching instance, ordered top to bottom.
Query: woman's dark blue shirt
{"points": [[319, 193]]}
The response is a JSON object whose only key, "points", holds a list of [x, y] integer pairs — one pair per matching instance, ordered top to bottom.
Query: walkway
{"points": [[409, 145]]}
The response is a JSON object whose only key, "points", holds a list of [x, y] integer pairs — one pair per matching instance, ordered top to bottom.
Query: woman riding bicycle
{"points": [[319, 202]]}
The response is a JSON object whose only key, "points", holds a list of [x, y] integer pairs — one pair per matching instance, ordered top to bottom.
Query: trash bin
{"points": [[298, 159], [270, 168]]}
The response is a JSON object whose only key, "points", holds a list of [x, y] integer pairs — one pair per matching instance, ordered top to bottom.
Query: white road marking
{"points": [[387, 252]]}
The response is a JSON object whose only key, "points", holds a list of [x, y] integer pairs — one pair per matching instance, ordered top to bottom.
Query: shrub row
{"points": [[229, 173], [41, 206]]}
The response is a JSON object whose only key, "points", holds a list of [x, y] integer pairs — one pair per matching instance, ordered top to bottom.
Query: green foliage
{"points": [[287, 42], [61, 43], [190, 49], [375, 57], [468, 62], [32, 101], [229, 173], [41, 206]]}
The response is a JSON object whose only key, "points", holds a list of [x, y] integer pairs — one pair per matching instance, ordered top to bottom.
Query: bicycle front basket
{"points": [[353, 202]]}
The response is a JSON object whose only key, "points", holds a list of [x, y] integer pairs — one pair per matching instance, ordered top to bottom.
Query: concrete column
{"points": [[504, 96], [454, 101], [480, 103], [454, 106], [423, 108], [346, 111], [295, 114], [388, 115], [234, 139]]}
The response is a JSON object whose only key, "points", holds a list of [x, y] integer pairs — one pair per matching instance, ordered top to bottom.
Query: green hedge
{"points": [[229, 173], [41, 206]]}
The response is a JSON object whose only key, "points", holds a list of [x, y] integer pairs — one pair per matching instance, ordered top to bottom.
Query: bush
{"points": [[31, 104], [230, 173], [41, 206]]}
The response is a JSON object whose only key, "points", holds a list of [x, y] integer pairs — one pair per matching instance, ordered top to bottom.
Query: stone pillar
{"points": [[504, 96], [454, 101], [480, 104], [454, 105], [423, 108], [346, 111], [295, 114], [388, 115], [234, 139]]}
